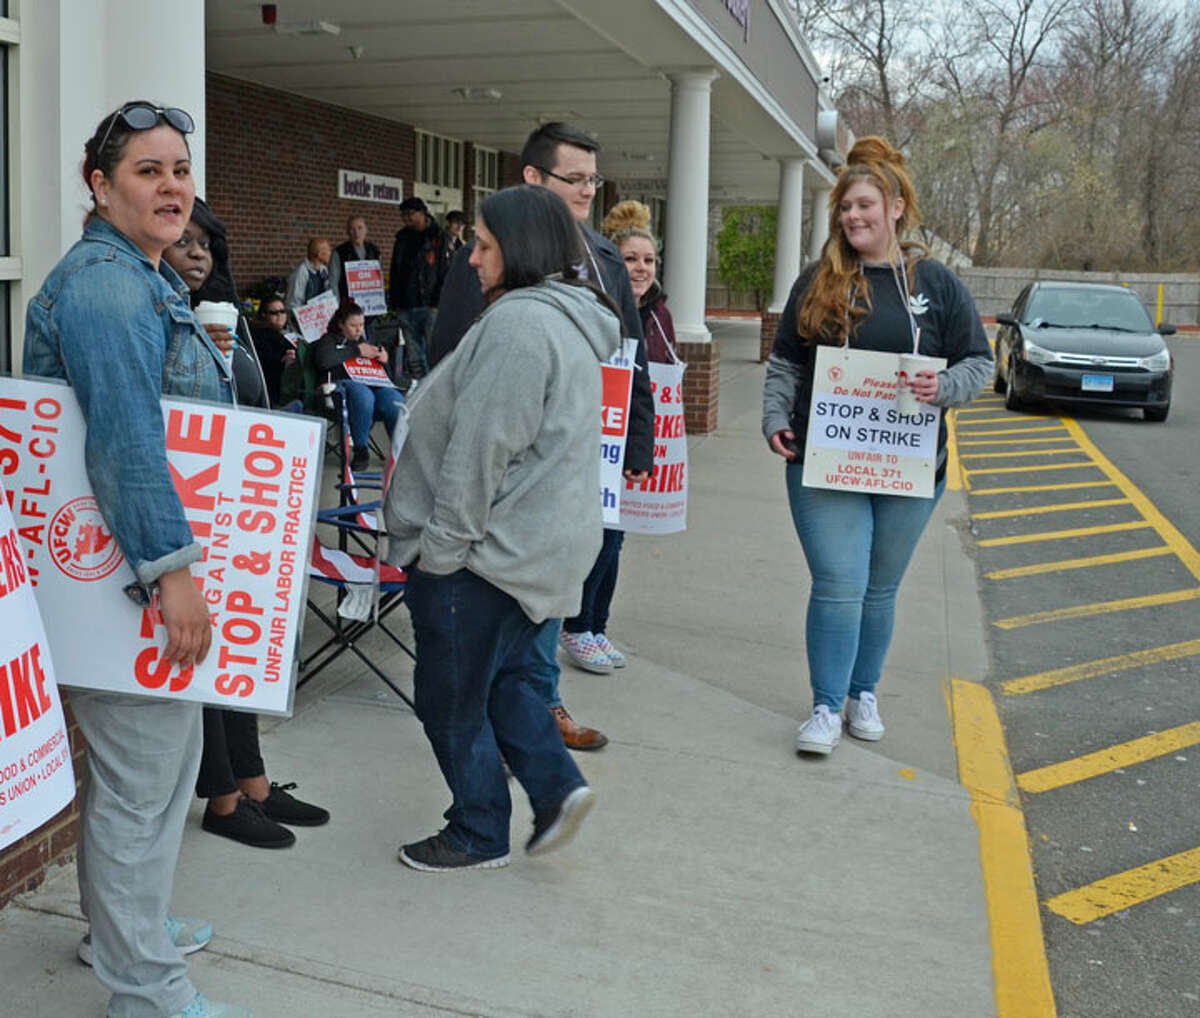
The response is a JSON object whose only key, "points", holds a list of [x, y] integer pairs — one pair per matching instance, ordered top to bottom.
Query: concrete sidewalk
{"points": [[719, 875]]}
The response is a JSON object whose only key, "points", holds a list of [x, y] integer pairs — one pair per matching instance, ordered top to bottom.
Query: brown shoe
{"points": [[575, 735]]}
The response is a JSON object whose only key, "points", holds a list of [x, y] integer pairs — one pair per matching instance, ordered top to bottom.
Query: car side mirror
{"points": [[1005, 318], [1165, 329]]}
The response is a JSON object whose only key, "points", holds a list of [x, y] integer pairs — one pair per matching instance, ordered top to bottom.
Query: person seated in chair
{"points": [[343, 354]]}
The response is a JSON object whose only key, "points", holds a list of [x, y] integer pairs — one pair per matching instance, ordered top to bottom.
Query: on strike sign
{"points": [[364, 283], [617, 378], [857, 439], [247, 482], [658, 505], [36, 778]]}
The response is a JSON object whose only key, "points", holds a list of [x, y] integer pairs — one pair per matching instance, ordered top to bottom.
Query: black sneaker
{"points": [[361, 459], [284, 808], [249, 825], [555, 827], [436, 855]]}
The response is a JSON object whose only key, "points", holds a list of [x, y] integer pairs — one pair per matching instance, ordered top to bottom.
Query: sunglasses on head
{"points": [[141, 116]]}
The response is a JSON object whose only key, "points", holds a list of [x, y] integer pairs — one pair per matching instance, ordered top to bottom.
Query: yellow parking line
{"points": [[983, 405], [1008, 419], [1010, 431], [1019, 441], [1018, 452], [1031, 470], [954, 477], [1042, 487], [1037, 510], [1169, 533], [1062, 535], [1076, 563], [1083, 611], [1101, 666], [1105, 761], [1124, 890], [1019, 966]]}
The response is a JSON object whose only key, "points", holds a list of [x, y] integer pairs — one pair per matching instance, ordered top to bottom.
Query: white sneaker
{"points": [[583, 651], [615, 657], [862, 718], [820, 733]]}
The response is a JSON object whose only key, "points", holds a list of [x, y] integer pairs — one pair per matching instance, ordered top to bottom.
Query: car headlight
{"points": [[1039, 354], [1157, 362]]}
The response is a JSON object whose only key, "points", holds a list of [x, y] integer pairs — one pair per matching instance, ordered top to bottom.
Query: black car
{"points": [[1083, 343]]}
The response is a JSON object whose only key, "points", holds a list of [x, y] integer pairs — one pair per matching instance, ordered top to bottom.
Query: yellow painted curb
{"points": [[1019, 965]]}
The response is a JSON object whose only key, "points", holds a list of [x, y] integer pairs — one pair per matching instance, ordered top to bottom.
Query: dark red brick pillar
{"points": [[766, 335], [701, 385]]}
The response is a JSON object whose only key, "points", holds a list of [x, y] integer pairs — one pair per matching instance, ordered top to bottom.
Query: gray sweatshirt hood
{"points": [[598, 324]]}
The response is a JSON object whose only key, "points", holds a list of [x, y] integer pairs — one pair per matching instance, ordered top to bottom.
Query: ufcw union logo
{"points": [[81, 544]]}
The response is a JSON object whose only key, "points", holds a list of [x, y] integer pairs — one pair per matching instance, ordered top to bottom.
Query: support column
{"points": [[820, 223], [686, 242], [787, 246]]}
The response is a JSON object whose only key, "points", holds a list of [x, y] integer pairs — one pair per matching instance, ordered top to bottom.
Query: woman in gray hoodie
{"points": [[494, 507]]}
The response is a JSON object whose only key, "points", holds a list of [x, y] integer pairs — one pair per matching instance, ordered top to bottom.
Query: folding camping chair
{"points": [[352, 566]]}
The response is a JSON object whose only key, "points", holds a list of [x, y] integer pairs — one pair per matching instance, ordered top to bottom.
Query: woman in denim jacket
{"points": [[113, 320]]}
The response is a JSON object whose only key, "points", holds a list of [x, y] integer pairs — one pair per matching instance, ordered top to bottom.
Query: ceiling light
{"points": [[309, 28], [477, 93]]}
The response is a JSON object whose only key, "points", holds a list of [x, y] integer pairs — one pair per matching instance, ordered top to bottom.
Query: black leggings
{"points": [[230, 752]]}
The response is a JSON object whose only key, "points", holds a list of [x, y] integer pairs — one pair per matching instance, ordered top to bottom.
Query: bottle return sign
{"points": [[857, 440]]}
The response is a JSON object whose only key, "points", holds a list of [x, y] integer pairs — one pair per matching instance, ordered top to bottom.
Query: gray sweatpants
{"points": [[143, 755]]}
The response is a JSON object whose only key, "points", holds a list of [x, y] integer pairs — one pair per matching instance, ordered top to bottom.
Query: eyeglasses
{"points": [[143, 116], [579, 183], [187, 240], [275, 311]]}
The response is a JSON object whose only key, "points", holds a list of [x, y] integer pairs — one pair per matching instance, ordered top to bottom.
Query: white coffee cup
{"points": [[217, 312], [910, 364]]}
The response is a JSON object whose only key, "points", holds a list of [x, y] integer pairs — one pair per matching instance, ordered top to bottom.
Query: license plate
{"points": [[1097, 383]]}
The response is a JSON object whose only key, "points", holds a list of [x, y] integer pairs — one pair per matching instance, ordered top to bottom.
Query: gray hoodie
{"points": [[500, 473]]}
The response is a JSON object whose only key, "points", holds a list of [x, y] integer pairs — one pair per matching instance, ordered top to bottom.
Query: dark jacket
{"points": [[419, 262], [219, 286], [462, 302], [658, 326], [330, 353]]}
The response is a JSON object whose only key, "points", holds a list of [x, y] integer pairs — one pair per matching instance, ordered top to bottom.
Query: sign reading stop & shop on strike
{"points": [[364, 284], [617, 377], [857, 440], [247, 482], [658, 505], [36, 777]]}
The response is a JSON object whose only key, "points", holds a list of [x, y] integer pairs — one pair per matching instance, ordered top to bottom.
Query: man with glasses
{"points": [[563, 158]]}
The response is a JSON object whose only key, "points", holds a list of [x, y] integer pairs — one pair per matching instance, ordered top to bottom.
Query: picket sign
{"points": [[364, 286], [313, 317], [369, 372], [617, 377], [857, 440], [247, 481], [658, 505], [36, 777]]}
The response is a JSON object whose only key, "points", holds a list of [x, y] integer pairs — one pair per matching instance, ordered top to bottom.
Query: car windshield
{"points": [[1085, 309]]}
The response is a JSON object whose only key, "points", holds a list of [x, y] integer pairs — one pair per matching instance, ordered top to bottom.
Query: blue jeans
{"points": [[417, 324], [366, 404], [857, 547], [599, 587], [541, 662], [475, 703]]}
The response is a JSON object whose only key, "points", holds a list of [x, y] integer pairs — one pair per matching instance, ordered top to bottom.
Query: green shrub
{"points": [[746, 249]]}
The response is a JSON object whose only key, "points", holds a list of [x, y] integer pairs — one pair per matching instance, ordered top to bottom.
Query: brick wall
{"points": [[766, 335], [701, 385], [23, 864]]}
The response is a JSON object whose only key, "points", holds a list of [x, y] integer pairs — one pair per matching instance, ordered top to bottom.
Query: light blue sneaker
{"points": [[189, 935], [202, 1007]]}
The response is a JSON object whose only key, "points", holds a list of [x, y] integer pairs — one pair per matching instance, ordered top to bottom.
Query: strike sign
{"points": [[364, 285], [617, 377], [247, 482], [658, 505], [36, 778]]}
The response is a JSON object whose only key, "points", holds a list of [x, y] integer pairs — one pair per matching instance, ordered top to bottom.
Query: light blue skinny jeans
{"points": [[857, 547]]}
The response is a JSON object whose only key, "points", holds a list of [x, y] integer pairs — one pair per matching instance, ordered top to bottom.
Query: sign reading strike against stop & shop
{"points": [[364, 283], [617, 376], [857, 439], [247, 482], [658, 505], [36, 777]]}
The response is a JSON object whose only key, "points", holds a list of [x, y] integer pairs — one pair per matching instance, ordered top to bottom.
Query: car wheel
{"points": [[998, 383], [1011, 401], [1156, 413]]}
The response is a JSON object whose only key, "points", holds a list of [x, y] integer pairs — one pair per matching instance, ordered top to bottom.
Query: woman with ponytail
{"points": [[873, 289]]}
